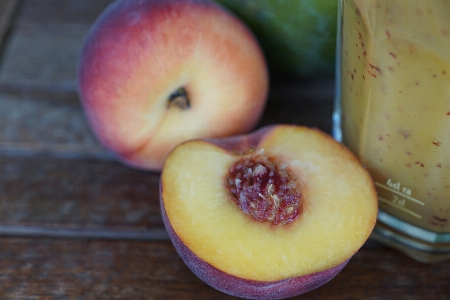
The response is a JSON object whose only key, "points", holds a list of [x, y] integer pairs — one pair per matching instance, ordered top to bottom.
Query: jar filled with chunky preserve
{"points": [[393, 111]]}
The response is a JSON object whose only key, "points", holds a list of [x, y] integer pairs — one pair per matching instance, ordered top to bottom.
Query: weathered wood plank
{"points": [[60, 11], [45, 42], [42, 54], [38, 122], [76, 193], [73, 269], [95, 269]]}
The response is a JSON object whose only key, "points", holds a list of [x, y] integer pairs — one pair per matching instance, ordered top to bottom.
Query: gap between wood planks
{"points": [[7, 10], [112, 233]]}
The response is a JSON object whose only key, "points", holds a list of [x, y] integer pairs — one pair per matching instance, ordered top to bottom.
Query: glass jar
{"points": [[392, 110]]}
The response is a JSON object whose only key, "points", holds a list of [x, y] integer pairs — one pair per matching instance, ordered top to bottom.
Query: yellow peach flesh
{"points": [[339, 208]]}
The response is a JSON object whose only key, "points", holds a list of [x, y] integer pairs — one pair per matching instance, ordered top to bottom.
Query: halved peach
{"points": [[268, 215]]}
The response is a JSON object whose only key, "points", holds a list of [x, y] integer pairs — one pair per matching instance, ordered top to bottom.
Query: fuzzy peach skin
{"points": [[139, 52], [245, 257]]}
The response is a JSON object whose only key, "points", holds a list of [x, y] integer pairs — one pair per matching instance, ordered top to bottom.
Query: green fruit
{"points": [[297, 36]]}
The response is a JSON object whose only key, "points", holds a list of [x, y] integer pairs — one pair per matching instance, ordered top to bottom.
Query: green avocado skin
{"points": [[298, 37]]}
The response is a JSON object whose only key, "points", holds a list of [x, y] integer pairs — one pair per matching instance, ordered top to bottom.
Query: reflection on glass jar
{"points": [[393, 111]]}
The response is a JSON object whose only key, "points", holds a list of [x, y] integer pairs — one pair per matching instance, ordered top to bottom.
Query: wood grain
{"points": [[102, 269]]}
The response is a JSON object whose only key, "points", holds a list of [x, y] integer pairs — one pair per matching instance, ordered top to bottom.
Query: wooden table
{"points": [[76, 224]]}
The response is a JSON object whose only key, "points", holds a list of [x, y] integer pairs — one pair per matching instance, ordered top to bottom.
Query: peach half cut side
{"points": [[268, 215]]}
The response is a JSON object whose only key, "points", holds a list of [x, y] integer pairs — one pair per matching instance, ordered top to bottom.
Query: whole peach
{"points": [[154, 73]]}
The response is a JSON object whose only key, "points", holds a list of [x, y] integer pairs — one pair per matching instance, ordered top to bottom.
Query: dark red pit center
{"points": [[264, 188]]}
